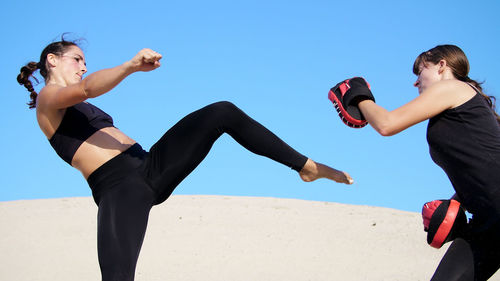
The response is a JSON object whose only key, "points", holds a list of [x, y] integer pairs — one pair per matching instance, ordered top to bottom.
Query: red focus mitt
{"points": [[346, 95], [444, 220]]}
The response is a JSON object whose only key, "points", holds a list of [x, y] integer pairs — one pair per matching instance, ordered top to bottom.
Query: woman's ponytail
{"points": [[57, 48], [24, 79], [491, 100]]}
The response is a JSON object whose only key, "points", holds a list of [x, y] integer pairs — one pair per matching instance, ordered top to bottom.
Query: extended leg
{"points": [[187, 143]]}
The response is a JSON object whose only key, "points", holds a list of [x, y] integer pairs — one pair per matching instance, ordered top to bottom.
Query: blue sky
{"points": [[274, 59]]}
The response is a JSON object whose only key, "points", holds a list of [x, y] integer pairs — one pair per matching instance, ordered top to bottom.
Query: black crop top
{"points": [[78, 124]]}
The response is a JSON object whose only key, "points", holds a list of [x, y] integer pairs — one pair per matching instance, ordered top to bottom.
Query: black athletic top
{"points": [[78, 124], [465, 142]]}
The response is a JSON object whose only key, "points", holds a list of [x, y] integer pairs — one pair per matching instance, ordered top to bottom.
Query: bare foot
{"points": [[313, 171]]}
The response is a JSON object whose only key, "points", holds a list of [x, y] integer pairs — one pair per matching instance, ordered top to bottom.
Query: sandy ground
{"points": [[222, 238]]}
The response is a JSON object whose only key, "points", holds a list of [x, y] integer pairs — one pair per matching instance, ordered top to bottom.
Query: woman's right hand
{"points": [[145, 60]]}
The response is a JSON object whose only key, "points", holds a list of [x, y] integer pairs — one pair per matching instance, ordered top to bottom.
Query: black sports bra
{"points": [[79, 122]]}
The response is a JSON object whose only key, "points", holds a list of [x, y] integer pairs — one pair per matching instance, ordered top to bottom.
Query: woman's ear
{"points": [[52, 60], [442, 66]]}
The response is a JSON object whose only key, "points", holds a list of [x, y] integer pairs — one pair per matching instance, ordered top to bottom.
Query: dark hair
{"points": [[57, 48], [459, 64]]}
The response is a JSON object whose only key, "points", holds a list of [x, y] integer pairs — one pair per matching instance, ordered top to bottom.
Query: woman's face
{"points": [[72, 65], [428, 75]]}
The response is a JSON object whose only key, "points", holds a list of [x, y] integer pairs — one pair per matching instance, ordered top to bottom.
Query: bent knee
{"points": [[223, 106], [224, 109]]}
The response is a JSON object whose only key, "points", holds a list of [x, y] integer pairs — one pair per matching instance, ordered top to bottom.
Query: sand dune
{"points": [[222, 238]]}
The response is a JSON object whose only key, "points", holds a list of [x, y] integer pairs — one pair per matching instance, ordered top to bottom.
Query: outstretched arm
{"points": [[97, 83], [436, 99]]}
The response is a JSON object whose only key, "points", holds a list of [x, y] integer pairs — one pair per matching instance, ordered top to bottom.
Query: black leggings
{"points": [[127, 186], [474, 258]]}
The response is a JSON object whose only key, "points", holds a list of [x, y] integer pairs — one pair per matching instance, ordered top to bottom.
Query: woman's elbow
{"points": [[386, 131]]}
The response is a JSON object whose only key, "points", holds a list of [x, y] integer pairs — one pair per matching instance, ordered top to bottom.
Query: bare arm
{"points": [[97, 83], [436, 99]]}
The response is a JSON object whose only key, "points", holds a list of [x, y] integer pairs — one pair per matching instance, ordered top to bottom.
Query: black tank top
{"points": [[78, 124], [465, 142]]}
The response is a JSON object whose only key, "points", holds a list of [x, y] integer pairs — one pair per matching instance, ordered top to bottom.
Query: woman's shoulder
{"points": [[452, 85], [50, 89], [456, 92], [46, 94], [58, 97]]}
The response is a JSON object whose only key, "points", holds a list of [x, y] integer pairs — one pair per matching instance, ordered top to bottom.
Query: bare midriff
{"points": [[99, 149]]}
